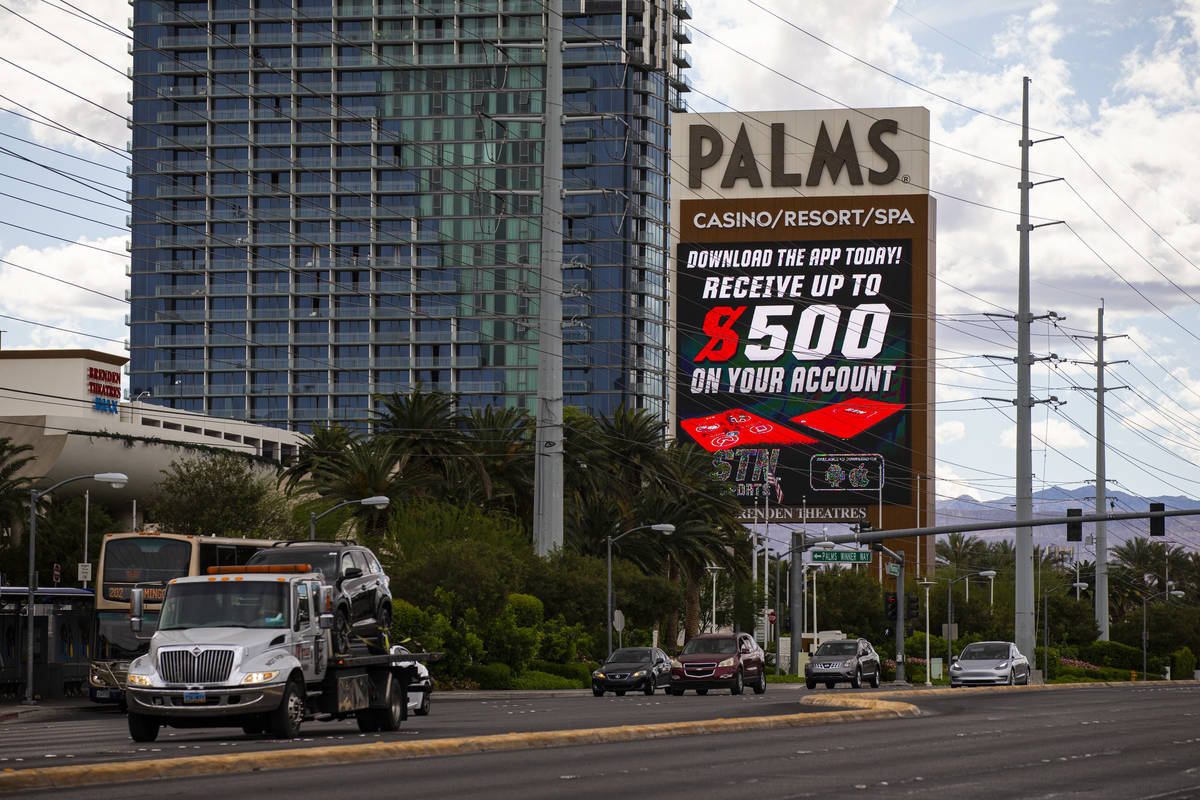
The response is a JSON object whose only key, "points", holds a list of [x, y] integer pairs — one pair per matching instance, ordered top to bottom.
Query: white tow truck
{"points": [[251, 647]]}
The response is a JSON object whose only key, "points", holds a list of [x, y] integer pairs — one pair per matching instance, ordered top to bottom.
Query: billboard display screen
{"points": [[804, 303], [797, 347]]}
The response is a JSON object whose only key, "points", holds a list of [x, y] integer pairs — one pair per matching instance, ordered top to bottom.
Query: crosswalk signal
{"points": [[1157, 524], [1074, 529]]}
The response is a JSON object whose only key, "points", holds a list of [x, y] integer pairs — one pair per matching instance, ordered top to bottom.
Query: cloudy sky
{"points": [[1118, 81]]}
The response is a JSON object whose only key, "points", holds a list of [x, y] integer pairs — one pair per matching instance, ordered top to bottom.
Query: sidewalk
{"points": [[15, 711]]}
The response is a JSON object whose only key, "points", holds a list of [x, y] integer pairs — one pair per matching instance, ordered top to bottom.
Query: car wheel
{"points": [[383, 629], [341, 632], [875, 678], [1025, 680], [856, 681], [1012, 681], [811, 684], [830, 684], [739, 685], [760, 685], [649, 687], [598, 692], [619, 692], [702, 692], [422, 710], [285, 720], [143, 728]]}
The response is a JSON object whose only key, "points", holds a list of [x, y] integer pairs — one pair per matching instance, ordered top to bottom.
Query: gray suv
{"points": [[362, 598], [843, 661]]}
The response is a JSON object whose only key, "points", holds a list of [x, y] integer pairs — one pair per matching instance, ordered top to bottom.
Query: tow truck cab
{"points": [[251, 647]]}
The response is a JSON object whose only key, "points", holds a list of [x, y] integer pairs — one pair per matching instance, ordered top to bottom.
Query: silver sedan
{"points": [[989, 663]]}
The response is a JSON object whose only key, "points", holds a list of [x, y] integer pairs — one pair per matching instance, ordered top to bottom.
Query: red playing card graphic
{"points": [[849, 417], [739, 428]]}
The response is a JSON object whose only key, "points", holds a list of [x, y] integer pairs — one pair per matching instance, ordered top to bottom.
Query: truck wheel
{"points": [[341, 632], [391, 716], [285, 720], [368, 722], [143, 728]]}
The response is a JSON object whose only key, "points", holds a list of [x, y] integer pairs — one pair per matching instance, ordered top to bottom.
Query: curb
{"points": [[855, 709]]}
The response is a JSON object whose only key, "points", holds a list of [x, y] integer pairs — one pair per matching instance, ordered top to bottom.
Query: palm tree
{"points": [[425, 426], [501, 439], [323, 441], [365, 468], [14, 488], [963, 553], [1146, 561]]}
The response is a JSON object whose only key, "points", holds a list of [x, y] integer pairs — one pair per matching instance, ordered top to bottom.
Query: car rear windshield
{"points": [[710, 646], [838, 649], [984, 652]]}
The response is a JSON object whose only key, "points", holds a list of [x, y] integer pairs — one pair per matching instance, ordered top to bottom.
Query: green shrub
{"points": [[563, 643], [1112, 654], [1183, 664], [578, 671], [491, 676], [535, 679]]}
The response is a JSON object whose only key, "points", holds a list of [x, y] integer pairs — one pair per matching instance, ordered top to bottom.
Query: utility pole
{"points": [[548, 458], [1101, 599], [1023, 602], [1025, 630]]}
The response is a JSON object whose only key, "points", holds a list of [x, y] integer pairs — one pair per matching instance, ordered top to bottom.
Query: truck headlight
{"points": [[259, 677], [135, 679]]}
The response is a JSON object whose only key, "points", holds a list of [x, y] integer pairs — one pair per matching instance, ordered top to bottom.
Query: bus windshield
{"points": [[145, 559], [249, 604], [114, 639]]}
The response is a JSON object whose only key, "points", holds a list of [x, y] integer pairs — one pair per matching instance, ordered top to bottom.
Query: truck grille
{"points": [[184, 666]]}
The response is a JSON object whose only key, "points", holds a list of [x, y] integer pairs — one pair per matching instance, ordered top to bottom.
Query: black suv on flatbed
{"points": [[362, 598]]}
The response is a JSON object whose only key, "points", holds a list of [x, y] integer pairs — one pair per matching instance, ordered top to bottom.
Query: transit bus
{"points": [[147, 560]]}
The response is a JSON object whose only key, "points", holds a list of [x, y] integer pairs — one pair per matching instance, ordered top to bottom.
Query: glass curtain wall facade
{"points": [[338, 199]]}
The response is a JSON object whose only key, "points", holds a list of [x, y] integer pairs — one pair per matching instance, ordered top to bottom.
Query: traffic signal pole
{"points": [[898, 559]]}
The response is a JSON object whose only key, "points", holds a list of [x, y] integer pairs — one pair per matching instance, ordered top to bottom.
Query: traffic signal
{"points": [[1157, 524], [1074, 529], [889, 604], [910, 606]]}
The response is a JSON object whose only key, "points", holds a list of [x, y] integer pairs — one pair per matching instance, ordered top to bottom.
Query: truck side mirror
{"points": [[136, 606], [325, 607]]}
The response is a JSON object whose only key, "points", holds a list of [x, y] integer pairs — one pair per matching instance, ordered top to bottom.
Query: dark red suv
{"points": [[719, 661]]}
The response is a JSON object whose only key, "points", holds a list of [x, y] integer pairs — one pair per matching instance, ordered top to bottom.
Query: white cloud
{"points": [[103, 83], [40, 299], [948, 432], [1056, 434]]}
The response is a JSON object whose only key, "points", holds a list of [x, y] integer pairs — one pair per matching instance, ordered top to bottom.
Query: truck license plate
{"points": [[193, 697]]}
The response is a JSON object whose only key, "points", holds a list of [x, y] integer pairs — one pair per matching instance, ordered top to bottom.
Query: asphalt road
{"points": [[1124, 741]]}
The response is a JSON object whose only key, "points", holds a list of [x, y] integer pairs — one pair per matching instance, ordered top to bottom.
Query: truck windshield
{"points": [[224, 604]]}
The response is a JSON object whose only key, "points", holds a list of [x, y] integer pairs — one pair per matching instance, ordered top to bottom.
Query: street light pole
{"points": [[117, 480], [377, 501], [664, 527], [713, 569], [987, 573], [927, 584]]}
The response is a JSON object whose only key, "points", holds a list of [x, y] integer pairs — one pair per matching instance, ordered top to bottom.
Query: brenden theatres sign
{"points": [[804, 300]]}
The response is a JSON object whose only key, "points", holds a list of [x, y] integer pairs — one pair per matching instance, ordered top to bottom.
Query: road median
{"points": [[850, 708]]}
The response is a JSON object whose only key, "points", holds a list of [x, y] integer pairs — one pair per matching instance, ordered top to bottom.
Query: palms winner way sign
{"points": [[841, 556]]}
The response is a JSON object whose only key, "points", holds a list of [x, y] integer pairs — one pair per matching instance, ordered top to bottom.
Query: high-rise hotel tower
{"points": [[336, 199]]}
